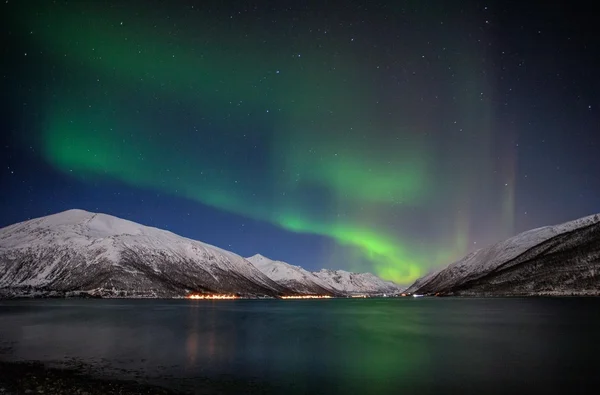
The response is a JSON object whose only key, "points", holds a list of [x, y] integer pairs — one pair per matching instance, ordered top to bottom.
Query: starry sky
{"points": [[390, 137]]}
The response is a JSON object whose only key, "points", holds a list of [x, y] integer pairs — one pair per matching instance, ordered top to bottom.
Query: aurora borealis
{"points": [[391, 138]]}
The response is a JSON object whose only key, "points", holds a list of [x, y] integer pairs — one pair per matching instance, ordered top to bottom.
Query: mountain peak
{"points": [[75, 211], [70, 216], [93, 224], [77, 250], [259, 257], [292, 277], [356, 283]]}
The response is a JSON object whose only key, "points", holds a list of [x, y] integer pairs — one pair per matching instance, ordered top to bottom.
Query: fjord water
{"points": [[352, 346]]}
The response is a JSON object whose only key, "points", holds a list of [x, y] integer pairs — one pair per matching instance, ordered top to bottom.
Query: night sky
{"points": [[368, 136]]}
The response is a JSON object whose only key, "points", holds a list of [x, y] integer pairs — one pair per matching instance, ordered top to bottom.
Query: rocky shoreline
{"points": [[35, 378]]}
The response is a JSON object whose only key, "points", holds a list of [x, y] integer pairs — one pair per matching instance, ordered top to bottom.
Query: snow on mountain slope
{"points": [[79, 250], [552, 259], [291, 277], [356, 283]]}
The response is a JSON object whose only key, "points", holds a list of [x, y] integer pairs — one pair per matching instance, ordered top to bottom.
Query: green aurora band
{"points": [[327, 145]]}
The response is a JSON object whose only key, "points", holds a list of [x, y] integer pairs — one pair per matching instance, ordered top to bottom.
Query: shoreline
{"points": [[33, 377]]}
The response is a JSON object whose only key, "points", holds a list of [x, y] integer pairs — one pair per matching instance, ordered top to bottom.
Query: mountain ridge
{"points": [[80, 251], [560, 259], [292, 277], [334, 282], [357, 283]]}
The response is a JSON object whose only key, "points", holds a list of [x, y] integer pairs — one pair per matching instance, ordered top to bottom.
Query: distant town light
{"points": [[202, 296], [307, 297]]}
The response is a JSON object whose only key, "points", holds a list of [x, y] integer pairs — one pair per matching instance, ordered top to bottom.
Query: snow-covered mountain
{"points": [[79, 250], [554, 260], [292, 277], [356, 283]]}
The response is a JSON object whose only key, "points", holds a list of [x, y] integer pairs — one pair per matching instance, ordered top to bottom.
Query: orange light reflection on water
{"points": [[213, 297], [307, 297]]}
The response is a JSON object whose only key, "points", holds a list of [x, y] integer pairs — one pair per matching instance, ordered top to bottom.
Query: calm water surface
{"points": [[374, 346]]}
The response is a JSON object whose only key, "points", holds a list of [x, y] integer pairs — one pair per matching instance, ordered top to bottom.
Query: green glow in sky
{"points": [[288, 133]]}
